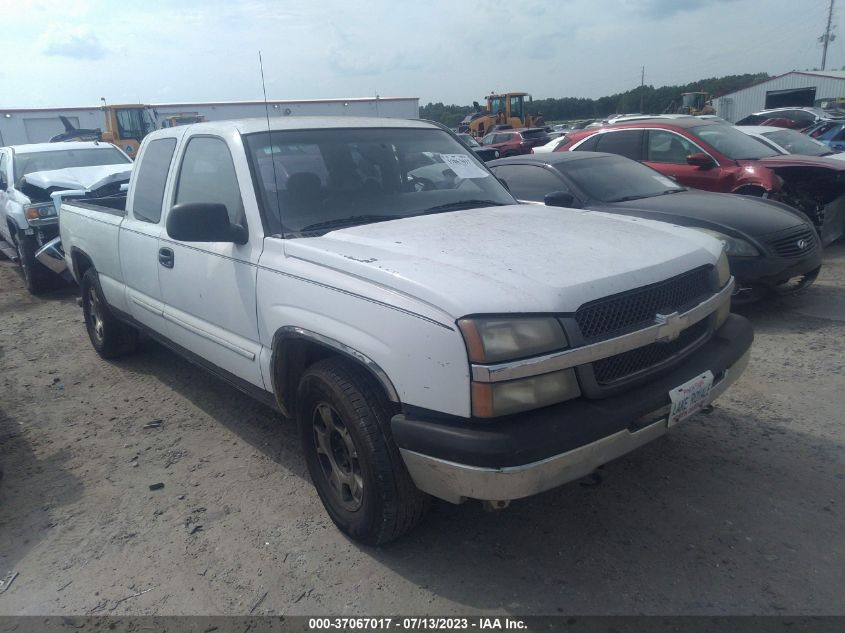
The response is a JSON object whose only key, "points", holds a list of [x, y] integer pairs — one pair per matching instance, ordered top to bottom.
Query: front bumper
{"points": [[757, 276], [528, 453]]}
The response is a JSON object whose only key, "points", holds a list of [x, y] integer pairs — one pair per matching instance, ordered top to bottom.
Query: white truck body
{"points": [[387, 295]]}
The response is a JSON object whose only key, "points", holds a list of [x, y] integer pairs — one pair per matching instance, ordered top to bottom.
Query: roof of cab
{"points": [[250, 126]]}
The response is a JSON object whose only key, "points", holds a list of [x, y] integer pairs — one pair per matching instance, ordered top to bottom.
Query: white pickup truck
{"points": [[29, 174], [373, 280]]}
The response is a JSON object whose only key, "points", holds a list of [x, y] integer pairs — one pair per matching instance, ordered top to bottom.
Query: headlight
{"points": [[40, 211], [733, 245], [492, 340], [492, 399]]}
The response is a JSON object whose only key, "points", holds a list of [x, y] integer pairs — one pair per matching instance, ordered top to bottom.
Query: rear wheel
{"points": [[109, 336], [344, 423]]}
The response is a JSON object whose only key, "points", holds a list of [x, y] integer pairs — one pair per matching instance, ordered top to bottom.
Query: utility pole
{"points": [[828, 37], [642, 85]]}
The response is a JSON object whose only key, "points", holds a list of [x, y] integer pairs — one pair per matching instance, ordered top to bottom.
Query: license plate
{"points": [[690, 397]]}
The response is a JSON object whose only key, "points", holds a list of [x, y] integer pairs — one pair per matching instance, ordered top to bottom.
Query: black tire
{"points": [[36, 277], [109, 336], [358, 471]]}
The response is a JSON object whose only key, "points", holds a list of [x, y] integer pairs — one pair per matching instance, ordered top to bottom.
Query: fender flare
{"points": [[295, 333]]}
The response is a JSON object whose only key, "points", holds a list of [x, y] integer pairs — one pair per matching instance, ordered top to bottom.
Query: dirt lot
{"points": [[737, 512]]}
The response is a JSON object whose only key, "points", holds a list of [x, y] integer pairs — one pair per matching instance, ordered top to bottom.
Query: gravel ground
{"points": [[736, 512]]}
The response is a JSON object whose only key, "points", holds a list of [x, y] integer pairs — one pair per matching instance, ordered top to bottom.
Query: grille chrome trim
{"points": [[565, 359]]}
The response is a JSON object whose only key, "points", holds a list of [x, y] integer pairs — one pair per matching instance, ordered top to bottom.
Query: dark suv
{"points": [[515, 142]]}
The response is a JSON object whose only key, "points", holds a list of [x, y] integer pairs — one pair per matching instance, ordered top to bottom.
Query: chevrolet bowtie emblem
{"points": [[670, 326]]}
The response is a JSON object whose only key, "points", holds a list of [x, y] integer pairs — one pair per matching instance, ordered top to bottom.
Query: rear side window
{"points": [[626, 143], [589, 145], [208, 175], [152, 176]]}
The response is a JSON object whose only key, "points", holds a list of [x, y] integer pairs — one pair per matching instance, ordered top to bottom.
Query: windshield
{"points": [[731, 142], [797, 143], [64, 158], [616, 178], [312, 181]]}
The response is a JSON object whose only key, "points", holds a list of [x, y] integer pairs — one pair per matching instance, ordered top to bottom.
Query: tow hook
{"points": [[492, 506]]}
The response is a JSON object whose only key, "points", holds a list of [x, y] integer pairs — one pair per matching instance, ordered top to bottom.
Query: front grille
{"points": [[795, 243], [636, 309], [613, 368]]}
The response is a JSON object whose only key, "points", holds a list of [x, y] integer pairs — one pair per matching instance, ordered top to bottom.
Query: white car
{"points": [[788, 141], [550, 146], [29, 174], [430, 338]]}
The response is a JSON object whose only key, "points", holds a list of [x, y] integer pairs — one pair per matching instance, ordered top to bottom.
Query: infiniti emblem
{"points": [[802, 244], [670, 326]]}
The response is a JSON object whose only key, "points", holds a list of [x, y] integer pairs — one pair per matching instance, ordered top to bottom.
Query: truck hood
{"points": [[87, 178], [519, 258]]}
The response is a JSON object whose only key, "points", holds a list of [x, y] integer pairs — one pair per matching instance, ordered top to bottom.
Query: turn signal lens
{"points": [[491, 400]]}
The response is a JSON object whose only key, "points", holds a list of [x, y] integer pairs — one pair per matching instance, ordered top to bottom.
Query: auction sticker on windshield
{"points": [[463, 166], [690, 397]]}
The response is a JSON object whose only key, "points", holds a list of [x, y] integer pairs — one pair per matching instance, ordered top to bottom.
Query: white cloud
{"points": [[76, 42]]}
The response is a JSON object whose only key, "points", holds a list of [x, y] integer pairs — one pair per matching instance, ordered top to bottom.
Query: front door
{"points": [[667, 152], [209, 288]]}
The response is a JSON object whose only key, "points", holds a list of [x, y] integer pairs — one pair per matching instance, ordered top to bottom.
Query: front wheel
{"points": [[35, 276], [109, 336], [344, 424]]}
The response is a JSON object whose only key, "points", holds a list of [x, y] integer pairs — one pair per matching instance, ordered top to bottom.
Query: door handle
{"points": [[165, 257]]}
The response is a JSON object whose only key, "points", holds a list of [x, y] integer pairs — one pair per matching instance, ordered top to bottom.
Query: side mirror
{"points": [[700, 159], [560, 199], [203, 222]]}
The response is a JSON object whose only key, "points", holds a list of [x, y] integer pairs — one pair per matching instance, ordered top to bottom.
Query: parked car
{"points": [[796, 118], [831, 133], [787, 141], [511, 143], [549, 147], [484, 153], [718, 157], [29, 174], [771, 247], [427, 341]]}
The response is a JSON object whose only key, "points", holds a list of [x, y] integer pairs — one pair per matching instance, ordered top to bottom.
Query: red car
{"points": [[515, 142], [717, 157]]}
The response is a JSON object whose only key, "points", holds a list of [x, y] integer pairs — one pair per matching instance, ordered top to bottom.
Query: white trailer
{"points": [[37, 125]]}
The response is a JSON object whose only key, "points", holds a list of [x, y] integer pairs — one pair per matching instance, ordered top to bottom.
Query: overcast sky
{"points": [[75, 51]]}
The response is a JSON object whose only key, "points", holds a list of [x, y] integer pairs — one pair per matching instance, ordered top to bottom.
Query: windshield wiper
{"points": [[668, 191], [463, 204], [349, 221]]}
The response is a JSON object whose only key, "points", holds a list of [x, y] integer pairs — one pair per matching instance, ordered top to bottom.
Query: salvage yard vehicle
{"points": [[796, 118], [126, 127], [788, 141], [514, 142], [484, 153], [717, 157], [29, 174], [772, 248], [429, 338]]}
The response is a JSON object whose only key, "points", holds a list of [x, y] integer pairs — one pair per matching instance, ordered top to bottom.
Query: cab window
{"points": [[626, 143], [208, 175]]}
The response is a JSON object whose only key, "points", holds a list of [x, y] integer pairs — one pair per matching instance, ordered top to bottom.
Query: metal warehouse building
{"points": [[796, 88]]}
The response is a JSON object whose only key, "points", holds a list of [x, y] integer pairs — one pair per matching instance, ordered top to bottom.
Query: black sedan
{"points": [[484, 153], [771, 246]]}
